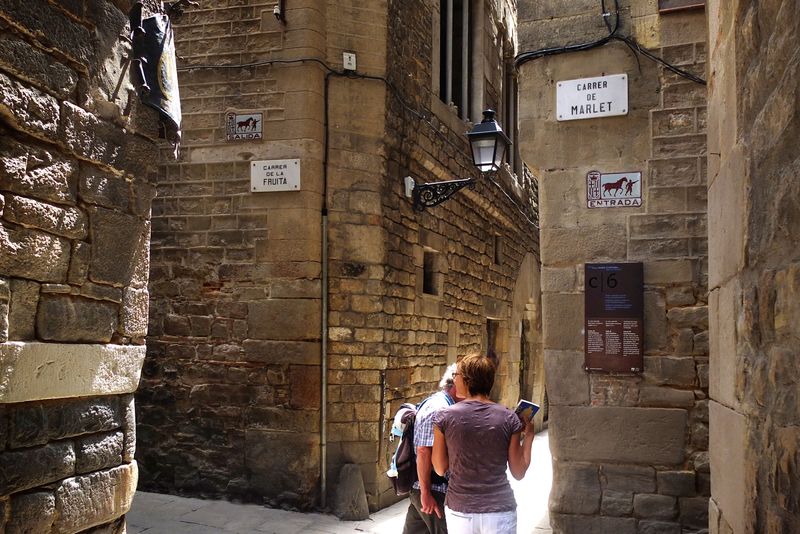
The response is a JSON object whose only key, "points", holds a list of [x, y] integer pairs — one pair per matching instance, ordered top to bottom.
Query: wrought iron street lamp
{"points": [[489, 145]]}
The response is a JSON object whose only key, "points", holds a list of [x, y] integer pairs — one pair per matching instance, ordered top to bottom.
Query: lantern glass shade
{"points": [[488, 143]]}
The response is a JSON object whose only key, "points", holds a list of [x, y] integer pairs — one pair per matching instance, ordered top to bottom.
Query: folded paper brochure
{"points": [[526, 408]]}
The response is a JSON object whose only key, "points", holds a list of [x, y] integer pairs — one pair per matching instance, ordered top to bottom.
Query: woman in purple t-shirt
{"points": [[475, 439]]}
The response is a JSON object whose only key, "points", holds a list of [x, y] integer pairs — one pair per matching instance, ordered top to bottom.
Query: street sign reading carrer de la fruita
{"points": [[589, 98], [275, 175]]}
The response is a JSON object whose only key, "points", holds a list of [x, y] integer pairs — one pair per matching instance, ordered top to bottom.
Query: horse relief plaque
{"points": [[243, 127], [613, 190], [614, 317]]}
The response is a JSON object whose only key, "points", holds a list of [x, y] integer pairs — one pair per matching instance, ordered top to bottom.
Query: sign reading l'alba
{"points": [[588, 98], [275, 175]]}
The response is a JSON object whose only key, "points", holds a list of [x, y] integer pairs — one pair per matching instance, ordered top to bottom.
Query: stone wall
{"points": [[76, 157], [753, 266], [425, 332], [235, 347], [230, 397], [629, 451]]}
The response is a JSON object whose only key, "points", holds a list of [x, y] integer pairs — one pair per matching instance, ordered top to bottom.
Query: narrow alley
{"points": [[153, 513]]}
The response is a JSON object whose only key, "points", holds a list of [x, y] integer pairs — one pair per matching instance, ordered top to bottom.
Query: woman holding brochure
{"points": [[475, 440]]}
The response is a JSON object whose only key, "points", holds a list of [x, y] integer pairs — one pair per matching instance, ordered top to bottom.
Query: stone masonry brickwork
{"points": [[76, 156], [754, 272], [231, 394], [630, 452]]}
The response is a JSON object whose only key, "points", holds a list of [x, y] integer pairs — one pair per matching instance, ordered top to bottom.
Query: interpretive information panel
{"points": [[614, 317]]}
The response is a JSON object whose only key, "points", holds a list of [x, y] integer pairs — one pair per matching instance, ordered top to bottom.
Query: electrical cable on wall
{"points": [[630, 42]]}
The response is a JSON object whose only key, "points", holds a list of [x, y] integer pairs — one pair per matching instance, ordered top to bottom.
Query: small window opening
{"points": [[429, 273]]}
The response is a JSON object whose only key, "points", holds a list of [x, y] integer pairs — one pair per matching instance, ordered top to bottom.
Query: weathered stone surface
{"points": [[52, 27], [35, 65], [31, 109], [35, 172], [104, 188], [65, 222], [116, 241], [602, 243], [34, 255], [133, 315], [696, 316], [70, 319], [284, 319], [3, 321], [562, 324], [655, 334], [36, 371], [671, 371], [304, 381], [569, 383], [666, 397], [128, 406], [83, 416], [27, 426], [651, 435], [728, 448], [98, 451], [277, 460], [29, 468], [629, 478], [677, 483], [576, 489], [351, 498], [91, 500], [616, 503], [655, 506], [694, 511], [31, 513], [587, 524], [659, 527]]}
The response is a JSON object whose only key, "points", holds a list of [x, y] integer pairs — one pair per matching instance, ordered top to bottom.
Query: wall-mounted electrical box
{"points": [[349, 61]]}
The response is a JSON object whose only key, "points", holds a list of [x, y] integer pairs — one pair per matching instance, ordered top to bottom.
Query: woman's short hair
{"points": [[478, 371]]}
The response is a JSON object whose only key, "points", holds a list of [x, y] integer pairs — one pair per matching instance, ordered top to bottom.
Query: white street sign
{"points": [[588, 98], [275, 175]]}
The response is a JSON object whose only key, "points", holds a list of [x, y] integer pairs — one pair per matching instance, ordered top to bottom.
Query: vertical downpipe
{"points": [[324, 364]]}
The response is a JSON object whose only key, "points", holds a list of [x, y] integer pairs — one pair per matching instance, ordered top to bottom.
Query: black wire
{"points": [[630, 42], [524, 57]]}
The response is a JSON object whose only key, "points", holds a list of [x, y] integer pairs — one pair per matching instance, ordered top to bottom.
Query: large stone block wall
{"points": [[77, 152], [753, 199], [230, 396], [629, 451]]}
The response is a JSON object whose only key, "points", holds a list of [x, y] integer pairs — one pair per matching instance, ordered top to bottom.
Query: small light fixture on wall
{"points": [[489, 145]]}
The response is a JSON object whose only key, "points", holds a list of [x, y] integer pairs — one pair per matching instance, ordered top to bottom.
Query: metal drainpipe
{"points": [[324, 365]]}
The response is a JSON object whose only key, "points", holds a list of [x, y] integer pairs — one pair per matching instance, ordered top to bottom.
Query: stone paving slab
{"points": [[153, 513]]}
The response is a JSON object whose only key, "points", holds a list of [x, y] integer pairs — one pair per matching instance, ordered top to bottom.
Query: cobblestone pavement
{"points": [[153, 513]]}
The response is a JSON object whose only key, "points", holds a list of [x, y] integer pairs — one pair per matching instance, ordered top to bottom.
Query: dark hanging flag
{"points": [[154, 57]]}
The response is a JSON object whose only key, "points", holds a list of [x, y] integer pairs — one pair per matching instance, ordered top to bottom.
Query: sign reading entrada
{"points": [[588, 98], [275, 175], [613, 190]]}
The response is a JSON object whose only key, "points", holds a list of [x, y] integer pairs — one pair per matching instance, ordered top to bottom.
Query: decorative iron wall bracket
{"points": [[434, 193]]}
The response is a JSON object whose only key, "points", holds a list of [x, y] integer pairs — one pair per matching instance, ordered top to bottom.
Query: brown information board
{"points": [[614, 317]]}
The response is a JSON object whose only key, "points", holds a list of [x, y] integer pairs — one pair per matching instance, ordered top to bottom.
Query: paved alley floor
{"points": [[153, 513]]}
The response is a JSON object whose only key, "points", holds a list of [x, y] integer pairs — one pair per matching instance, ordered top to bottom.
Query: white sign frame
{"points": [[590, 98], [244, 126], [274, 175], [614, 190]]}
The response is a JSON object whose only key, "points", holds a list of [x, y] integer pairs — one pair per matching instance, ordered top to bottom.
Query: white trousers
{"points": [[489, 523]]}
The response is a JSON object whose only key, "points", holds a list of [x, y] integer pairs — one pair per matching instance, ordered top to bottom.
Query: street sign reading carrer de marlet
{"points": [[588, 98], [275, 175]]}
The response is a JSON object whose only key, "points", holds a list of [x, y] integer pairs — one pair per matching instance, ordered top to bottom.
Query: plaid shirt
{"points": [[423, 427]]}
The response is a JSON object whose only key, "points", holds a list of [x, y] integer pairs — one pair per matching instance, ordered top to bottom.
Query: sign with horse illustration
{"points": [[243, 127], [613, 190]]}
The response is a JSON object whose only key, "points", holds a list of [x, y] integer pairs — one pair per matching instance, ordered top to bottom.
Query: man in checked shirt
{"points": [[426, 511]]}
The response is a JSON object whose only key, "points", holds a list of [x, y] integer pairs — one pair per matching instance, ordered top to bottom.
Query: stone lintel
{"points": [[37, 371], [647, 436]]}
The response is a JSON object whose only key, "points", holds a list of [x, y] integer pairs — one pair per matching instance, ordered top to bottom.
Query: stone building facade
{"points": [[76, 158], [753, 164], [286, 327], [630, 450]]}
